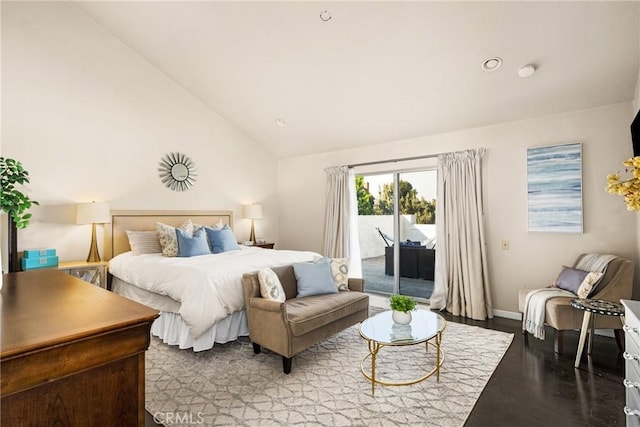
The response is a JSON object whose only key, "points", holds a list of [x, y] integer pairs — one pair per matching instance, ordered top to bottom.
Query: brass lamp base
{"points": [[252, 235], [94, 256]]}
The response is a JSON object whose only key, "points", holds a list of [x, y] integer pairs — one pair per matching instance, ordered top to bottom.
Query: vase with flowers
{"points": [[628, 187]]}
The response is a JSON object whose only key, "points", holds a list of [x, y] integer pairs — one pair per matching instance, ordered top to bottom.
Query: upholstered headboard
{"points": [[115, 236]]}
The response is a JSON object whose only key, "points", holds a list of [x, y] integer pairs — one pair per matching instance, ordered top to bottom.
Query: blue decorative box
{"points": [[37, 253], [39, 262]]}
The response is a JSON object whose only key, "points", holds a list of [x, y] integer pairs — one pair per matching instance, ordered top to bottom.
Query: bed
{"points": [[199, 298]]}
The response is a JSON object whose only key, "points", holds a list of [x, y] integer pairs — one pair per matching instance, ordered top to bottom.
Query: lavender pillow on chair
{"points": [[570, 279], [578, 281]]}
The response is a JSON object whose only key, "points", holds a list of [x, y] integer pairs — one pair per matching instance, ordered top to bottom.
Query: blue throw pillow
{"points": [[221, 239], [192, 245], [314, 278]]}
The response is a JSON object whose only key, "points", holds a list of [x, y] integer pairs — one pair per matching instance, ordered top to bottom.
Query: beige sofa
{"points": [[616, 284], [292, 326]]}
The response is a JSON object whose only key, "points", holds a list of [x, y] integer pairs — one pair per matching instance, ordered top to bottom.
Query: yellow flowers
{"points": [[629, 188]]}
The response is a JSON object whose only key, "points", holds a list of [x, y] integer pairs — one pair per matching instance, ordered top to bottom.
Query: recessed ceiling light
{"points": [[325, 15], [491, 64], [527, 71], [281, 122]]}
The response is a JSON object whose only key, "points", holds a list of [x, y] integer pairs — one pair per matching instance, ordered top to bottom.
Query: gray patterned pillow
{"points": [[168, 239], [144, 242], [340, 271], [270, 286]]}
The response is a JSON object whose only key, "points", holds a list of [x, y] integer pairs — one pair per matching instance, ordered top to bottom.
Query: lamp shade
{"points": [[252, 211], [93, 213]]}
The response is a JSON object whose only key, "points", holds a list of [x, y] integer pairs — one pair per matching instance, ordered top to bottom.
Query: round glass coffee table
{"points": [[381, 331]]}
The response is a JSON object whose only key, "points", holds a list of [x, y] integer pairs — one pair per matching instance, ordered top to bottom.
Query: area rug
{"points": [[230, 385]]}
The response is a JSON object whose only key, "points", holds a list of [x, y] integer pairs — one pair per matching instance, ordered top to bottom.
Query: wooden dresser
{"points": [[71, 354]]}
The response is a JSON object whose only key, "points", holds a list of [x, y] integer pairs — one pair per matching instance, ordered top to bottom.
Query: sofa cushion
{"points": [[340, 271], [314, 278], [287, 280], [270, 286], [310, 313]]}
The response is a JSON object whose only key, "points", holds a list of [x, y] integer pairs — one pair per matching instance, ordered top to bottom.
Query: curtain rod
{"points": [[402, 159]]}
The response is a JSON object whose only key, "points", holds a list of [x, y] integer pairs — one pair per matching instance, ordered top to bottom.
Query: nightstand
{"points": [[265, 245], [91, 272]]}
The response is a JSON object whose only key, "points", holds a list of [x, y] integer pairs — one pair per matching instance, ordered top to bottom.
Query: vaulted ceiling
{"points": [[348, 74]]}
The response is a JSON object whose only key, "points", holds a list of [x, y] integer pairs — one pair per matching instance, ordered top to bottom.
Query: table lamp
{"points": [[252, 212], [93, 213]]}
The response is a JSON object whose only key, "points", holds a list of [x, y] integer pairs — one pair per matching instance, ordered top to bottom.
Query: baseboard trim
{"points": [[507, 314]]}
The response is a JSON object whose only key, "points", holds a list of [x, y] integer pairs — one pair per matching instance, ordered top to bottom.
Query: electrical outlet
{"points": [[505, 245]]}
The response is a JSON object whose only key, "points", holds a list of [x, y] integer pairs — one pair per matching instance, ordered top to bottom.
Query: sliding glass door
{"points": [[416, 228], [397, 231], [376, 232]]}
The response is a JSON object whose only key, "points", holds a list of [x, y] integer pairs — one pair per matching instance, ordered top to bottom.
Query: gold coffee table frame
{"points": [[378, 331]]}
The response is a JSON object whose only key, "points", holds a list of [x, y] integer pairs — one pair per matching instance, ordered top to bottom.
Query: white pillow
{"points": [[218, 225], [144, 242], [340, 272], [588, 283], [270, 286]]}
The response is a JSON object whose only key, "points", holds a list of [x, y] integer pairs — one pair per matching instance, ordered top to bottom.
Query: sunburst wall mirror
{"points": [[177, 171]]}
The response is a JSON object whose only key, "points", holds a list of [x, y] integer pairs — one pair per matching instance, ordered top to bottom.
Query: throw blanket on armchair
{"points": [[595, 262], [536, 301], [535, 309]]}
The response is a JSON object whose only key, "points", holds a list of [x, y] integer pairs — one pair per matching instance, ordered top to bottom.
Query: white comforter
{"points": [[208, 287]]}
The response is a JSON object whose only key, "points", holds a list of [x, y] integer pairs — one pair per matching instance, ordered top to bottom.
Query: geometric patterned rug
{"points": [[230, 385]]}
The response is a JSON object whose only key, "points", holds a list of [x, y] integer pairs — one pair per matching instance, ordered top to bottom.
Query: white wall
{"points": [[90, 120], [534, 259]]}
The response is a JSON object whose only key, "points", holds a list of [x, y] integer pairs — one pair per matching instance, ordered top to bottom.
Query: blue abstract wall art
{"points": [[554, 187]]}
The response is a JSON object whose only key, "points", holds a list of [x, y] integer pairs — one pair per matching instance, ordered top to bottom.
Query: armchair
{"points": [[616, 284]]}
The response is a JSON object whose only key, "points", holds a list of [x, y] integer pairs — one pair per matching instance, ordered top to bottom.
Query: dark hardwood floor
{"points": [[533, 386]]}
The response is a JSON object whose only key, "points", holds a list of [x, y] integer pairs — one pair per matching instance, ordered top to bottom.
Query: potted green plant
{"points": [[14, 203], [402, 306]]}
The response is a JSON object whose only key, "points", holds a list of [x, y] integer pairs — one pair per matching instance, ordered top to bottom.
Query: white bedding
{"points": [[208, 287]]}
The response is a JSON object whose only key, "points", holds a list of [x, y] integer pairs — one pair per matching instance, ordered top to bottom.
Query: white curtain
{"points": [[341, 218], [461, 279]]}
